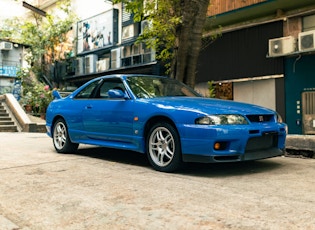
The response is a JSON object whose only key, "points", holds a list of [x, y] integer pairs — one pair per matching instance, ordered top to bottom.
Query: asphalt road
{"points": [[99, 188]]}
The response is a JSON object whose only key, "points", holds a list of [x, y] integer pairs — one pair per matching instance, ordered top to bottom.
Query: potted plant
{"points": [[27, 102]]}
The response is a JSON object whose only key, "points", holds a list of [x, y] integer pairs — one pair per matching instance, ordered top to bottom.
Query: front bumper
{"points": [[241, 142], [248, 156]]}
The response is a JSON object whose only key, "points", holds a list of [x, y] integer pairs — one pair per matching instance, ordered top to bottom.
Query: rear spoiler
{"points": [[56, 94]]}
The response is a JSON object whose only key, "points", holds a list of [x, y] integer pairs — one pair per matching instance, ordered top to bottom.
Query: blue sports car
{"points": [[165, 119]]}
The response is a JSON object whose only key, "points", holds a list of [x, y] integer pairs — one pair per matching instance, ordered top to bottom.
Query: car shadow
{"points": [[115, 155], [191, 169], [228, 169]]}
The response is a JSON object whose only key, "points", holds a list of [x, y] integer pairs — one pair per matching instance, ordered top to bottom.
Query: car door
{"points": [[108, 119]]}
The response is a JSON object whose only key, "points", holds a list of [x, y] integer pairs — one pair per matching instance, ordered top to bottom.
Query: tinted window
{"points": [[108, 84], [150, 87], [88, 91]]}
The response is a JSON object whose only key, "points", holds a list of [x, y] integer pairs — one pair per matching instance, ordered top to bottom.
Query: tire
{"points": [[61, 140], [163, 148]]}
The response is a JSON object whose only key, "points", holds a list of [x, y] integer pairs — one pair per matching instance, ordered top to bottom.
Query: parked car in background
{"points": [[165, 119]]}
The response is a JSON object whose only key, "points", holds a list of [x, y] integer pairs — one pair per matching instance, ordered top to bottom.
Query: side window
{"points": [[113, 83], [88, 91]]}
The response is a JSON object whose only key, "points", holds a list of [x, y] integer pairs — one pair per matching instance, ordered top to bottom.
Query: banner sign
{"points": [[98, 32]]}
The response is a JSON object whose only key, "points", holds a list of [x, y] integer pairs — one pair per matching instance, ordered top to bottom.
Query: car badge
{"points": [[261, 118]]}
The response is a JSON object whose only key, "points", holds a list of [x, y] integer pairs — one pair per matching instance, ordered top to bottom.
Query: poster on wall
{"points": [[97, 32]]}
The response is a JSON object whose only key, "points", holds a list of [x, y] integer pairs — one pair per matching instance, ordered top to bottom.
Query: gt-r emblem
{"points": [[261, 118]]}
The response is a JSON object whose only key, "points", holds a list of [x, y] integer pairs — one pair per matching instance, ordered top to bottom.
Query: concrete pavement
{"points": [[99, 188]]}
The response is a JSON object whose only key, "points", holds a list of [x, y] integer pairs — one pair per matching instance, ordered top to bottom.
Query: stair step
{"points": [[7, 118], [6, 122], [9, 122], [8, 128]]}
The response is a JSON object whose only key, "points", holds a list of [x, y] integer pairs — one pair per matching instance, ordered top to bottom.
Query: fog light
{"points": [[219, 145]]}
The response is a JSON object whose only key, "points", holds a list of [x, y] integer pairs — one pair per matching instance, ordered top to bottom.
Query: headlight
{"points": [[279, 118], [221, 120]]}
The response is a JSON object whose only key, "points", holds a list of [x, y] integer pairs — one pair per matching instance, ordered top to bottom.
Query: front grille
{"points": [[260, 118], [270, 140]]}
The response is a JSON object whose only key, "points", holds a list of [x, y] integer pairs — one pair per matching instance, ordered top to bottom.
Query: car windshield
{"points": [[151, 87]]}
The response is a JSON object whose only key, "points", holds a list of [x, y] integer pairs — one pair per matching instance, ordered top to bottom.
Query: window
{"points": [[309, 23], [108, 84], [88, 91]]}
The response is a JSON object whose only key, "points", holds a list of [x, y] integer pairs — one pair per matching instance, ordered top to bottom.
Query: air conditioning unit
{"points": [[307, 40], [6, 46], [282, 46], [115, 61], [90, 63], [103, 64], [79, 67]]}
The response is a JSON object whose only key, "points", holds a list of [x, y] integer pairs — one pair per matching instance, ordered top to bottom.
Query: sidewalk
{"points": [[37, 120], [41, 128], [301, 145]]}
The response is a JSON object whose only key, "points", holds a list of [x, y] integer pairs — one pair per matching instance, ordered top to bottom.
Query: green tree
{"points": [[175, 32], [45, 36]]}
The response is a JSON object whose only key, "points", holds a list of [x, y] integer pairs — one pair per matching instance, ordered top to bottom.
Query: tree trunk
{"points": [[190, 35]]}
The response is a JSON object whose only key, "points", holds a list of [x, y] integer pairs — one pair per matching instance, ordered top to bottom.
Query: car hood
{"points": [[209, 105]]}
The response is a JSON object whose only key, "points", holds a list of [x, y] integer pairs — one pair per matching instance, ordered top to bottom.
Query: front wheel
{"points": [[61, 140], [163, 148]]}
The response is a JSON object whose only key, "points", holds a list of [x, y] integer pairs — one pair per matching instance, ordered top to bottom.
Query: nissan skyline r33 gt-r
{"points": [[164, 119]]}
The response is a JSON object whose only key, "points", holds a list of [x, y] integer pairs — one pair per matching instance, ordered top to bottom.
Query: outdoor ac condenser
{"points": [[307, 41], [6, 46], [282, 46], [115, 58], [90, 63], [79, 68]]}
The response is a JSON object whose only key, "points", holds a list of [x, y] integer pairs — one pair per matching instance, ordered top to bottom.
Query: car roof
{"points": [[120, 76], [124, 76]]}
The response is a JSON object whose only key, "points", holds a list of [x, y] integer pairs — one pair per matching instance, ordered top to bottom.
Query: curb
{"points": [[301, 145]]}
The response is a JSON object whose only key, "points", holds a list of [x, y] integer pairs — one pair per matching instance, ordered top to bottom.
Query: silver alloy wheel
{"points": [[60, 135], [161, 146]]}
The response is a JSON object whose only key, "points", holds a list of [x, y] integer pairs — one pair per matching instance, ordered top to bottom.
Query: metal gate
{"points": [[308, 112]]}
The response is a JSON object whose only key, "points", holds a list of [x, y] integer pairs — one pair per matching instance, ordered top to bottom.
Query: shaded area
{"points": [[195, 169]]}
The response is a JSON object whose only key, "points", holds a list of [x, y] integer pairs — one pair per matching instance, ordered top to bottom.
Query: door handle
{"points": [[88, 107]]}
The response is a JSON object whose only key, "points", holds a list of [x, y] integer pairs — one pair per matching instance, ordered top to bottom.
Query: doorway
{"points": [[308, 112]]}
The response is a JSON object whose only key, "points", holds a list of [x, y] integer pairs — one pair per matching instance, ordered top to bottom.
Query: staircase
{"points": [[6, 122]]}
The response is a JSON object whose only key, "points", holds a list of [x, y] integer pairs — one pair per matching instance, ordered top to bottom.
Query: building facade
{"points": [[106, 44], [266, 54], [11, 61]]}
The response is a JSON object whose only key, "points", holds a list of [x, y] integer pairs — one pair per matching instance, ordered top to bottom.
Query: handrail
{"points": [[19, 114]]}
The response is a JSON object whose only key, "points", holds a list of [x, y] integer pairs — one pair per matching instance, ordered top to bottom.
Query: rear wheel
{"points": [[61, 140], [163, 148]]}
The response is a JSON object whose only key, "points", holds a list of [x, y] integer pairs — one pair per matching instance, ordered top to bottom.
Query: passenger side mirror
{"points": [[116, 93]]}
